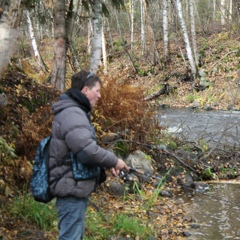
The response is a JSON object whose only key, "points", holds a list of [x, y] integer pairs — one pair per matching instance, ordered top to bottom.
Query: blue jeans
{"points": [[71, 215]]}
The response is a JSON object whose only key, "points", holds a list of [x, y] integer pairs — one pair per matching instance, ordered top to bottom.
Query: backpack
{"points": [[39, 182]]}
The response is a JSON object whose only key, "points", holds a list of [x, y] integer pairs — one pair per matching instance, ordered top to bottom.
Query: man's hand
{"points": [[119, 166]]}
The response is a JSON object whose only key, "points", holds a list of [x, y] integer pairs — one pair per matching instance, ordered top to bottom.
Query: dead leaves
{"points": [[163, 215]]}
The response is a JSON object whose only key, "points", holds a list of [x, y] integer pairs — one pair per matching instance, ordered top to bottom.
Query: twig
{"points": [[220, 59], [131, 60], [179, 160]]}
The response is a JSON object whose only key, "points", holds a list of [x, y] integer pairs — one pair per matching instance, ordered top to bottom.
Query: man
{"points": [[72, 131]]}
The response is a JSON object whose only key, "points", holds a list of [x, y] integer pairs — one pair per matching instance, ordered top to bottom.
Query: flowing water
{"points": [[217, 128], [216, 212]]}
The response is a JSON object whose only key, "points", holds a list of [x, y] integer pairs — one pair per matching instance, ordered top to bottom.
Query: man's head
{"points": [[89, 84]]}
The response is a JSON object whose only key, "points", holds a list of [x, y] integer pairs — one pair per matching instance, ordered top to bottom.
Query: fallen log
{"points": [[163, 90]]}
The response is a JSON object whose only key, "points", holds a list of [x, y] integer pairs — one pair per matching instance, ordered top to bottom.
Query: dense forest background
{"points": [[149, 54]]}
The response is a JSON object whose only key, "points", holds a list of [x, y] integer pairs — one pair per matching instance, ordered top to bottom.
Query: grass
{"points": [[27, 209], [98, 225]]}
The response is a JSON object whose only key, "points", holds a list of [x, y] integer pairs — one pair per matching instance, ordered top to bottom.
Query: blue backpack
{"points": [[39, 182]]}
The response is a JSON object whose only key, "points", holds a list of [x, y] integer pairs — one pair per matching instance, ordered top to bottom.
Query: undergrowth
{"points": [[122, 110], [98, 225]]}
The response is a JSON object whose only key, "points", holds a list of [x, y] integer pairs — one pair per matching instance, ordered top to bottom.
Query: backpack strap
{"points": [[62, 162]]}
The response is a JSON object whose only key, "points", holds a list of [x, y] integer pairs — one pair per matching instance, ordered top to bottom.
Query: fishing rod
{"points": [[133, 170], [125, 175]]}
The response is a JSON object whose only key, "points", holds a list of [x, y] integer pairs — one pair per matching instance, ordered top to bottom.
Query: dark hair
{"points": [[84, 78]]}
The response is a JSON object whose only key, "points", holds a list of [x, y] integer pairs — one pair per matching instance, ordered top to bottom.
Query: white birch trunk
{"points": [[214, 10], [230, 10], [223, 12], [132, 22], [165, 28], [9, 31], [193, 31], [89, 36], [97, 37], [186, 38], [34, 42], [104, 52]]}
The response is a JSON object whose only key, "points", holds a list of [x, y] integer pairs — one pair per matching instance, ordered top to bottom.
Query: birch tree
{"points": [[214, 10], [230, 10], [236, 11], [223, 12], [132, 22], [165, 28], [9, 30], [90, 31], [193, 31], [96, 37], [186, 38], [34, 42], [104, 52], [57, 78]]}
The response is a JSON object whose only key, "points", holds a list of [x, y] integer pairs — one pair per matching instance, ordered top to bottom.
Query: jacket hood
{"points": [[64, 102]]}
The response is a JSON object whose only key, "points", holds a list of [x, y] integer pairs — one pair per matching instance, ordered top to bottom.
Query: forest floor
{"points": [[219, 59]]}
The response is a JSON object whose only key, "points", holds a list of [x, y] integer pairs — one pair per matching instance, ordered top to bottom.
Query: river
{"points": [[217, 128], [215, 213]]}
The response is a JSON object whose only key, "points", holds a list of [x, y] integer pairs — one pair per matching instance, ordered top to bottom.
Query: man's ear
{"points": [[84, 90]]}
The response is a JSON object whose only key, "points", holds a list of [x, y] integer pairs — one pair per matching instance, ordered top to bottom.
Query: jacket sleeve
{"points": [[76, 130]]}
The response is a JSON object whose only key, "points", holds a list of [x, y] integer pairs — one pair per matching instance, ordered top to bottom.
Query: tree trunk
{"points": [[214, 10], [230, 10], [236, 11], [223, 12], [132, 22], [9, 29], [165, 29], [193, 31], [89, 35], [97, 37], [186, 38], [34, 43], [104, 52], [59, 65]]}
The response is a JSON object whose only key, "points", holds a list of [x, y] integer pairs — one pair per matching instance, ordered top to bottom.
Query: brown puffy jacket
{"points": [[72, 130]]}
